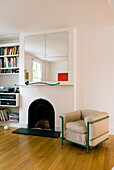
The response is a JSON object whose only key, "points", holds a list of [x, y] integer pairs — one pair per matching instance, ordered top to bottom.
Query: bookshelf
{"points": [[9, 59], [9, 75], [7, 101]]}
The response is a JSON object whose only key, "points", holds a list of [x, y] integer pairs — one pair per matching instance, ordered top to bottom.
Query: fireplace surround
{"points": [[41, 120]]}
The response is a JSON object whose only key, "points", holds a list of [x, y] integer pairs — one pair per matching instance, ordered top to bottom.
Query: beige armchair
{"points": [[85, 127]]}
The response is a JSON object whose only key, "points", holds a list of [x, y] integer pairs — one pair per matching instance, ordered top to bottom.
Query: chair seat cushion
{"points": [[78, 126], [76, 137]]}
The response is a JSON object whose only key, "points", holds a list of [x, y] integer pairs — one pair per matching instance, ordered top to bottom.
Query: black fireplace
{"points": [[41, 115]]}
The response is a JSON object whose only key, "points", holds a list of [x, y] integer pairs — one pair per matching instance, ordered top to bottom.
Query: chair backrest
{"points": [[87, 112]]}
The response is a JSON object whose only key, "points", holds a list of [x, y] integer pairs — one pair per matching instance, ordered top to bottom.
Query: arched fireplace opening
{"points": [[41, 115]]}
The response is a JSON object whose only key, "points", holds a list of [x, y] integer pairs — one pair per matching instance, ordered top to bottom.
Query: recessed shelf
{"points": [[15, 55], [5, 68], [3, 74], [9, 99], [8, 106], [9, 121], [12, 121]]}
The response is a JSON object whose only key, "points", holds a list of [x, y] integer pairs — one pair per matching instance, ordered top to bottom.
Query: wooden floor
{"points": [[18, 152]]}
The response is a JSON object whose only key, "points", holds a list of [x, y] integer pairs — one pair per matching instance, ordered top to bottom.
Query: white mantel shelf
{"points": [[46, 85]]}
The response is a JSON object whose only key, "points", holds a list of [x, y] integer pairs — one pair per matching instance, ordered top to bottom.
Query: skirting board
{"points": [[10, 124], [23, 125], [57, 127], [111, 130]]}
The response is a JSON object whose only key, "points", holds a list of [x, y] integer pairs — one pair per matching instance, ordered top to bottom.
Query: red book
{"points": [[62, 76]]}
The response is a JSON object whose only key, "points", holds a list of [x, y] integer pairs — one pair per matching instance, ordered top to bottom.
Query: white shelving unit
{"points": [[9, 58], [9, 75], [8, 100]]}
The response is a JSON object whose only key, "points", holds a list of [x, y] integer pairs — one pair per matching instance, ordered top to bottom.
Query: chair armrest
{"points": [[69, 117], [95, 117], [97, 127]]}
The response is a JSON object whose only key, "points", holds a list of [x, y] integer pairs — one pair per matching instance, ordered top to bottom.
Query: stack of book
{"points": [[9, 51], [10, 62], [4, 114], [14, 117]]}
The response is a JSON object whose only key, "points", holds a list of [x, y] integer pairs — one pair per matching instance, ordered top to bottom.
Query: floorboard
{"points": [[26, 152]]}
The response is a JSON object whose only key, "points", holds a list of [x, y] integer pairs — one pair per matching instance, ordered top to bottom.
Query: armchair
{"points": [[85, 127]]}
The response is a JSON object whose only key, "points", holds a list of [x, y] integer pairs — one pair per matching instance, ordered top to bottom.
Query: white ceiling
{"points": [[30, 15]]}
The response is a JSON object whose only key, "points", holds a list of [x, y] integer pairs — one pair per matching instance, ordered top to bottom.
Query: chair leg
{"points": [[62, 129], [87, 137], [62, 141], [87, 149]]}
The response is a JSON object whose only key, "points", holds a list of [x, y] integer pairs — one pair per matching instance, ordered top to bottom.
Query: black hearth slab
{"points": [[37, 132]]}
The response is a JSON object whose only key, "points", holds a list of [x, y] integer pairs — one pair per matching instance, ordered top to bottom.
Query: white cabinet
{"points": [[9, 99], [9, 105]]}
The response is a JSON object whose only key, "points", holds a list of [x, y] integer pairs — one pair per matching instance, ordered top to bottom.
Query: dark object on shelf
{"points": [[7, 89], [7, 96], [7, 102], [38, 132]]}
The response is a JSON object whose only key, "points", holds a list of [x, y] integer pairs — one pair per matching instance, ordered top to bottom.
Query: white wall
{"points": [[98, 70], [78, 71], [9, 80]]}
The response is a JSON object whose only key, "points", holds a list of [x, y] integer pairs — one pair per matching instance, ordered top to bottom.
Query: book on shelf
{"points": [[9, 50], [9, 59], [5, 60], [1, 62], [9, 62], [4, 113], [14, 117]]}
